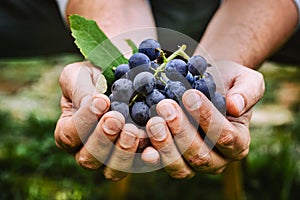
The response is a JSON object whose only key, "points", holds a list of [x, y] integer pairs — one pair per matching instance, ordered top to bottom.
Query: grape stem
{"points": [[179, 52], [184, 55], [133, 99]]}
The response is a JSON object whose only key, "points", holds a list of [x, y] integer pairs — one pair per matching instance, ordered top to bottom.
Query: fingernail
{"points": [[192, 101], [239, 102], [99, 106], [167, 111], [111, 126], [158, 131], [127, 137], [151, 156]]}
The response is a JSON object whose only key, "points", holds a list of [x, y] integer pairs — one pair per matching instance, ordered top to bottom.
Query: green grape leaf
{"points": [[132, 45], [95, 46]]}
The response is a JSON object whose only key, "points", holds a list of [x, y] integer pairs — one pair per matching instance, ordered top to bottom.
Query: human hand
{"points": [[80, 132], [182, 150]]}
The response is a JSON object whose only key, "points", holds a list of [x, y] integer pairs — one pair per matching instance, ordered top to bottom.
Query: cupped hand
{"points": [[176, 137], [97, 138]]}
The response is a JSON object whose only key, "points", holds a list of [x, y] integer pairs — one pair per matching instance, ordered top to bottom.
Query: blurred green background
{"points": [[32, 167]]}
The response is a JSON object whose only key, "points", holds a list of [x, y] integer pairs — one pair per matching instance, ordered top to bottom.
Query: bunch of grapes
{"points": [[150, 76]]}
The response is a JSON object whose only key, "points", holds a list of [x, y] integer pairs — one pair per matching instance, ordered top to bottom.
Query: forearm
{"points": [[117, 17], [248, 31]]}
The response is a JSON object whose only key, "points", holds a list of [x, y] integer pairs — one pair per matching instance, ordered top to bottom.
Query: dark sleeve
{"points": [[189, 17], [32, 28]]}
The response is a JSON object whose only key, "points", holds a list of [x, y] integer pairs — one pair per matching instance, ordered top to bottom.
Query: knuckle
{"points": [[205, 116], [226, 140], [65, 141], [87, 162], [200, 162]]}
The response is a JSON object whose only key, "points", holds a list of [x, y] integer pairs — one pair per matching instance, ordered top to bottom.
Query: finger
{"points": [[77, 81], [246, 90], [81, 105], [74, 127], [231, 138], [143, 140], [162, 140], [188, 140], [96, 150], [151, 156], [122, 158]]}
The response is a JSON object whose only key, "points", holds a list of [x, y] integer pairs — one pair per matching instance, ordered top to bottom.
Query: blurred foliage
{"points": [[32, 167]]}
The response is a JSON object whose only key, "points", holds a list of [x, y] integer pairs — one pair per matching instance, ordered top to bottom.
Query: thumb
{"points": [[247, 89]]}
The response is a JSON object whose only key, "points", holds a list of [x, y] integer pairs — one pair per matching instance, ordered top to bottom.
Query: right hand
{"points": [[80, 132]]}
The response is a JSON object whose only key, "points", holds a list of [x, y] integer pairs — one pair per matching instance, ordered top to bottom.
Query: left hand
{"points": [[181, 148]]}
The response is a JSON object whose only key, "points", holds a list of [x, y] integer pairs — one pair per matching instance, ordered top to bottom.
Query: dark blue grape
{"points": [[149, 47], [139, 60], [154, 65], [197, 65], [176, 69], [121, 70], [207, 75], [189, 77], [208, 78], [144, 82], [207, 89], [122, 90], [174, 90], [154, 97], [219, 101], [121, 107], [140, 113]]}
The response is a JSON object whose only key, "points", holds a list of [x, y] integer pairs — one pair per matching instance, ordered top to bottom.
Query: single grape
{"points": [[149, 47], [139, 60], [154, 65], [197, 65], [176, 69], [121, 70], [207, 75], [189, 77], [209, 80], [144, 82], [207, 89], [122, 90], [174, 90], [154, 97], [219, 101], [121, 107], [140, 113]]}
